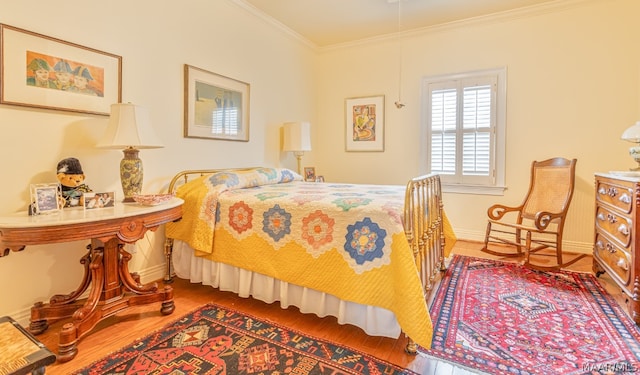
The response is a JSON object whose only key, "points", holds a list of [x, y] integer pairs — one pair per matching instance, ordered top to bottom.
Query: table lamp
{"points": [[129, 129], [632, 134], [297, 139]]}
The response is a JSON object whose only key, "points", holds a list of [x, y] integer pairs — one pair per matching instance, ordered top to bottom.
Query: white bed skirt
{"points": [[375, 321]]}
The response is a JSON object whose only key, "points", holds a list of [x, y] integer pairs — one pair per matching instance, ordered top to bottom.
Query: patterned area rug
{"points": [[501, 318], [215, 340]]}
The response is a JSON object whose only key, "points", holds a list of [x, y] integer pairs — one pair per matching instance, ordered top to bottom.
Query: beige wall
{"points": [[155, 40], [572, 88]]}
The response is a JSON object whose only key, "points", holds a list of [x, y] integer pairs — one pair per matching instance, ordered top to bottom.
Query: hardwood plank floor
{"points": [[118, 331]]}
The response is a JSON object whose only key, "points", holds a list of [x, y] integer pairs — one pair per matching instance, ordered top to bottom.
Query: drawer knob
{"points": [[625, 198], [623, 229], [599, 245], [622, 264]]}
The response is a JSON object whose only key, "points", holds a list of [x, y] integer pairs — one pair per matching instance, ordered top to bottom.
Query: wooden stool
{"points": [[20, 352]]}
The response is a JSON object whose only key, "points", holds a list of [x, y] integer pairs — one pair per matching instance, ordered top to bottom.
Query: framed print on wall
{"points": [[45, 72], [215, 106], [364, 119]]}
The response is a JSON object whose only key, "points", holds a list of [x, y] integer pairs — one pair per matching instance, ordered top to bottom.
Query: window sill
{"points": [[473, 189]]}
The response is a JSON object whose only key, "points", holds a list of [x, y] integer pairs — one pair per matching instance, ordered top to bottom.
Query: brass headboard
{"points": [[183, 177]]}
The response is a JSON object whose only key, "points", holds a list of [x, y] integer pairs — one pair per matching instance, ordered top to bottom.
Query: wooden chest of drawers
{"points": [[616, 235]]}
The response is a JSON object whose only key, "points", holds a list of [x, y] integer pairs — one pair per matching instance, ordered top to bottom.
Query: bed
{"points": [[366, 254]]}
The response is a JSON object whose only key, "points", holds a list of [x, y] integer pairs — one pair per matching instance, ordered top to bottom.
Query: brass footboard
{"points": [[178, 180], [423, 225]]}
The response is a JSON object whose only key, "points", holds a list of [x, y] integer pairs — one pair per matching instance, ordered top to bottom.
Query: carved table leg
{"points": [[86, 281], [112, 288], [141, 294], [60, 306], [86, 316], [67, 348]]}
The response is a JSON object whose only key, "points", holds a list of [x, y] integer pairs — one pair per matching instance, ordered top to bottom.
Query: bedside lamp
{"points": [[129, 130], [632, 134], [297, 139]]}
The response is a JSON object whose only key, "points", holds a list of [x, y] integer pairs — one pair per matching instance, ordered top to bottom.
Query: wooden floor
{"points": [[118, 331]]}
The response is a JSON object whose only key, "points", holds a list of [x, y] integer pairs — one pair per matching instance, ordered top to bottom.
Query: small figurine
{"points": [[71, 178]]}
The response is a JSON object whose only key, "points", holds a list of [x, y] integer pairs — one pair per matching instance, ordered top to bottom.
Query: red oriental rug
{"points": [[502, 318], [216, 340]]}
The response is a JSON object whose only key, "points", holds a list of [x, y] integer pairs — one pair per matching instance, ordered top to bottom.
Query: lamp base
{"points": [[298, 155], [131, 174]]}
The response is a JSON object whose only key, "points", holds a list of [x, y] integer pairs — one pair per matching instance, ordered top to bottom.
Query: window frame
{"points": [[496, 184]]}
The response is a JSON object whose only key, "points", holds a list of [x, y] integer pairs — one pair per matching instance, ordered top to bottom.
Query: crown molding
{"points": [[524, 12], [275, 23]]}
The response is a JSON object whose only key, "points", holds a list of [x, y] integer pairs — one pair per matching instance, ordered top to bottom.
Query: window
{"points": [[464, 126]]}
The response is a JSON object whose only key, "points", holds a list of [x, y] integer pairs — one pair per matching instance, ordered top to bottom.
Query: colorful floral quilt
{"points": [[343, 239]]}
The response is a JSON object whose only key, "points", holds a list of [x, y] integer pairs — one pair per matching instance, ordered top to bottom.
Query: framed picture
{"points": [[45, 72], [215, 106], [364, 119], [309, 173], [46, 198], [99, 200]]}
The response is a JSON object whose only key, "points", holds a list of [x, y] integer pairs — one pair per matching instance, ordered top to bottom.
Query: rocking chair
{"points": [[536, 224]]}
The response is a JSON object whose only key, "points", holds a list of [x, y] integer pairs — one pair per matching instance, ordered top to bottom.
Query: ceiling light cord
{"points": [[398, 102]]}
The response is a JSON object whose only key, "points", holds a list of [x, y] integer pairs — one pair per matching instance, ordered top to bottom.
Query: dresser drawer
{"points": [[618, 195], [616, 225], [613, 258]]}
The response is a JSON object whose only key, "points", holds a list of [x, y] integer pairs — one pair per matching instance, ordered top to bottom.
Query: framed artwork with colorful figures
{"points": [[49, 73], [364, 119]]}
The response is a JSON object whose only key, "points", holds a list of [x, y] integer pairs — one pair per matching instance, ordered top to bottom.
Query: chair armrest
{"points": [[497, 211], [543, 218]]}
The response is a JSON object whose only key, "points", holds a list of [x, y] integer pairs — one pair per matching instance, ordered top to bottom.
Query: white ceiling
{"points": [[329, 22]]}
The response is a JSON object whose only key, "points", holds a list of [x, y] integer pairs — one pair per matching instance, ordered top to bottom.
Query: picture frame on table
{"points": [[49, 73], [215, 106], [364, 123], [310, 174], [46, 198], [96, 200]]}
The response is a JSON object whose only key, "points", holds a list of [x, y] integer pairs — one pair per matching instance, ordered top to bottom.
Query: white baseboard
{"points": [[572, 246]]}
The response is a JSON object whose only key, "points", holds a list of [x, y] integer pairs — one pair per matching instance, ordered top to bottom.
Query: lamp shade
{"points": [[129, 126], [632, 134], [297, 136]]}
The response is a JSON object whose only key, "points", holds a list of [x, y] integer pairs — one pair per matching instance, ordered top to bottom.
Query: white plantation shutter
{"points": [[461, 122], [476, 128], [443, 136]]}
